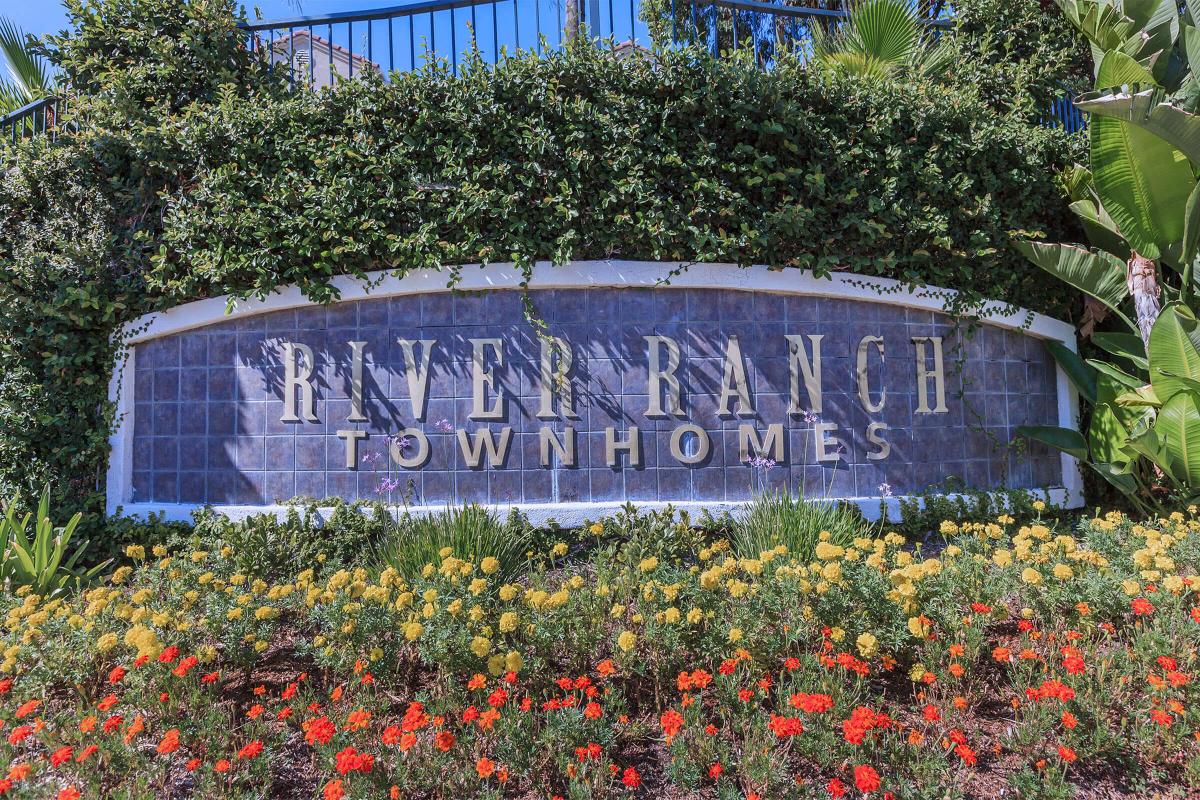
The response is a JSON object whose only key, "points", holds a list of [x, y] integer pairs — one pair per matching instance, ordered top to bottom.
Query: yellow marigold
{"points": [[596, 529], [559, 549], [827, 551], [136, 552], [648, 564], [489, 565], [1063, 572], [1031, 576], [671, 615], [509, 621], [413, 631], [735, 634], [627, 641], [106, 642], [867, 645], [480, 646], [513, 661]]}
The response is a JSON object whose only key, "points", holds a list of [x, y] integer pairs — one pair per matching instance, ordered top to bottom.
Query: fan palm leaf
{"points": [[878, 38]]}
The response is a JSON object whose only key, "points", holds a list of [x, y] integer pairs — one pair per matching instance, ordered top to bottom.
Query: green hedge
{"points": [[198, 190]]}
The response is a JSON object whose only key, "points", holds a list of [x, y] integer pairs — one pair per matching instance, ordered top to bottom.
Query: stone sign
{"points": [[701, 391]]}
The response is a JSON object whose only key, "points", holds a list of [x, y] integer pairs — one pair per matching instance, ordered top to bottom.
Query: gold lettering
{"points": [[811, 369], [735, 374], [924, 374], [656, 376], [296, 377], [418, 377], [483, 379], [560, 379], [356, 383], [864, 389], [873, 437], [352, 438], [824, 441], [704, 444], [751, 445], [473, 446], [632, 446], [564, 448], [418, 458]]}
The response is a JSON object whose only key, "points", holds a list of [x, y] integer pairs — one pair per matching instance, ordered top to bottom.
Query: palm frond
{"points": [[879, 38], [28, 73]]}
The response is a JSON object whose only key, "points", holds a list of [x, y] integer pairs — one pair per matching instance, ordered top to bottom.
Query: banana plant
{"points": [[1138, 202], [44, 561]]}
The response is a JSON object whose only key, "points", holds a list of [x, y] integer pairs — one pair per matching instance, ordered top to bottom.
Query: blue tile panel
{"points": [[208, 402]]}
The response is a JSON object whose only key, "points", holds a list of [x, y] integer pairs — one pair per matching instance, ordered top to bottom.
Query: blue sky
{"points": [[48, 16], [446, 33]]}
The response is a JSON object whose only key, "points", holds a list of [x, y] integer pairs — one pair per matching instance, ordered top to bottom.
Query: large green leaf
{"points": [[1117, 69], [1148, 110], [1143, 183], [1100, 229], [1191, 230], [1100, 274], [1127, 345], [1174, 351], [1080, 374], [1120, 379], [1178, 426], [1107, 436], [1064, 439]]}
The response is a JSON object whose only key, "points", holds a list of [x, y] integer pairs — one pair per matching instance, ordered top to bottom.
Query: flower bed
{"points": [[644, 660]]}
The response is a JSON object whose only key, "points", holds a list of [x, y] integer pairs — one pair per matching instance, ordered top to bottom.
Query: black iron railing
{"points": [[318, 51], [33, 119]]}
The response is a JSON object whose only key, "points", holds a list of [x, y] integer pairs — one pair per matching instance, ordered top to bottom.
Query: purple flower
{"points": [[811, 417], [443, 426], [760, 462], [885, 490]]}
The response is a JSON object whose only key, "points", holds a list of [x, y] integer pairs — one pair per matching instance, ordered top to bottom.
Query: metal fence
{"points": [[318, 51], [33, 119]]}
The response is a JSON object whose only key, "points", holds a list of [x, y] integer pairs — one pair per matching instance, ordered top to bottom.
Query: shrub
{"points": [[780, 518], [266, 547]]}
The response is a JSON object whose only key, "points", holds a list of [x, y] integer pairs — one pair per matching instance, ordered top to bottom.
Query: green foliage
{"points": [[882, 38], [1019, 55], [133, 61], [191, 175], [1140, 205], [922, 514], [778, 518], [120, 532], [470, 532], [266, 547], [41, 558]]}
